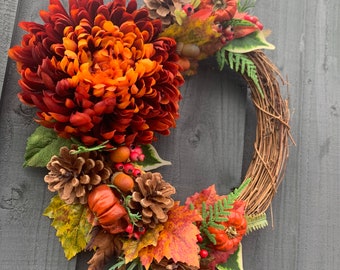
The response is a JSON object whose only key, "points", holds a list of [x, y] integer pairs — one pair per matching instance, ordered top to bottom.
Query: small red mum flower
{"points": [[99, 72]]}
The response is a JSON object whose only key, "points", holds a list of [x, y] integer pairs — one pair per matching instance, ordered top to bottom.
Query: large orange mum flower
{"points": [[99, 72]]}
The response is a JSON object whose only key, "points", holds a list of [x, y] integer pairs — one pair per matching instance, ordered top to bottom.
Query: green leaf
{"points": [[195, 3], [245, 5], [180, 16], [239, 22], [251, 42], [240, 63], [42, 145], [152, 159], [233, 196], [219, 211], [70, 222], [256, 222], [234, 262]]}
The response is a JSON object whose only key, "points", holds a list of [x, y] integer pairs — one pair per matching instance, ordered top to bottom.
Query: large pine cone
{"points": [[164, 9], [74, 175], [151, 198]]}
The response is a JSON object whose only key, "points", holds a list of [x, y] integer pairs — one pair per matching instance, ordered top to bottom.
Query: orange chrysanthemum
{"points": [[99, 72]]}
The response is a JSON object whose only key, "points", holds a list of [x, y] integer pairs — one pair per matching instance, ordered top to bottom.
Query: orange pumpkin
{"points": [[106, 207], [235, 228]]}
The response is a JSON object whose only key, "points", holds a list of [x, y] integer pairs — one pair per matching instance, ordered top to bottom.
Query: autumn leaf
{"points": [[249, 42], [42, 145], [152, 159], [207, 196], [72, 227], [177, 241], [105, 247], [132, 247], [234, 262]]}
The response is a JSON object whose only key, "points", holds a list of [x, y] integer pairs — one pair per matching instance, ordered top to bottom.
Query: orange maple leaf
{"points": [[208, 196], [177, 241]]}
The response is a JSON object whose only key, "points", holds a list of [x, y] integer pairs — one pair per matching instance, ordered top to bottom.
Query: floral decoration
{"points": [[105, 79]]}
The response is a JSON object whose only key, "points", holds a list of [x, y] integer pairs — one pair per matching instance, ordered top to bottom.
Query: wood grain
{"points": [[8, 13], [207, 146], [306, 220], [27, 239]]}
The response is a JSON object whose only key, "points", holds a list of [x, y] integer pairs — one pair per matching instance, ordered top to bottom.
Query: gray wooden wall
{"points": [[212, 144]]}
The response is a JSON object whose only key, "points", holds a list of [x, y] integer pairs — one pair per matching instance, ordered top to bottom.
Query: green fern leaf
{"points": [[245, 5], [220, 58], [241, 63], [232, 197], [213, 215], [256, 222]]}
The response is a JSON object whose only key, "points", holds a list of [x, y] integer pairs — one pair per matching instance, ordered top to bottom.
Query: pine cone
{"points": [[164, 9], [74, 175], [151, 197], [170, 265]]}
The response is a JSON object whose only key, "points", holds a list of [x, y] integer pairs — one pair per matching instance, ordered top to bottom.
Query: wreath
{"points": [[105, 79]]}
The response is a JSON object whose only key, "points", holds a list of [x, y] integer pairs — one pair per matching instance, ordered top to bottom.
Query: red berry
{"points": [[188, 9], [247, 17], [254, 19], [259, 25], [230, 37], [223, 40], [138, 149], [134, 156], [141, 157], [119, 166], [128, 168], [136, 172], [129, 229], [141, 230], [199, 238], [204, 253]]}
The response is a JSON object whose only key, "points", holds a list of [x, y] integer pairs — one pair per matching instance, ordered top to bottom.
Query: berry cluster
{"points": [[254, 20], [123, 158], [134, 231], [203, 252]]}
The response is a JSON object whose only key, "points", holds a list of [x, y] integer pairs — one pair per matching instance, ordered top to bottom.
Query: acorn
{"points": [[188, 50]]}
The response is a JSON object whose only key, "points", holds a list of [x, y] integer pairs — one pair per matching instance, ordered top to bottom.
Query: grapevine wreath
{"points": [[105, 78]]}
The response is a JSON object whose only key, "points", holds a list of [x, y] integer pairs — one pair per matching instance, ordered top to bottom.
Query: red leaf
{"points": [[208, 195]]}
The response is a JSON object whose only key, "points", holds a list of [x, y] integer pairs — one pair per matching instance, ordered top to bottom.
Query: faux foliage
{"points": [[240, 63], [213, 215], [256, 222]]}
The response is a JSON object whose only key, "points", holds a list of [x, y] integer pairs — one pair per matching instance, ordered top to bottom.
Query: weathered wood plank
{"points": [[8, 12], [306, 219], [306, 233], [27, 239]]}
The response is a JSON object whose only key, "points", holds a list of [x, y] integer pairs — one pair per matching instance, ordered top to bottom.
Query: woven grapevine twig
{"points": [[266, 169]]}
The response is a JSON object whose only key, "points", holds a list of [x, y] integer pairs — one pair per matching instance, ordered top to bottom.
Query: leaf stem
{"points": [[84, 149]]}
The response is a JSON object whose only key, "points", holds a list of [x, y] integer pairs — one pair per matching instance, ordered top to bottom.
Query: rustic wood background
{"points": [[212, 144]]}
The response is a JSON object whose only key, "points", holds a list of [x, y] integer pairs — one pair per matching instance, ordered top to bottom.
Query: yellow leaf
{"points": [[70, 222], [132, 247]]}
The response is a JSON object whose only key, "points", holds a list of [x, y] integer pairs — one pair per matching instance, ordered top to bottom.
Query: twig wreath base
{"points": [[105, 78], [272, 137]]}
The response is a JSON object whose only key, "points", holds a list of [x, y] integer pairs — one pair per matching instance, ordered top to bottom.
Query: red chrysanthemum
{"points": [[99, 72]]}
